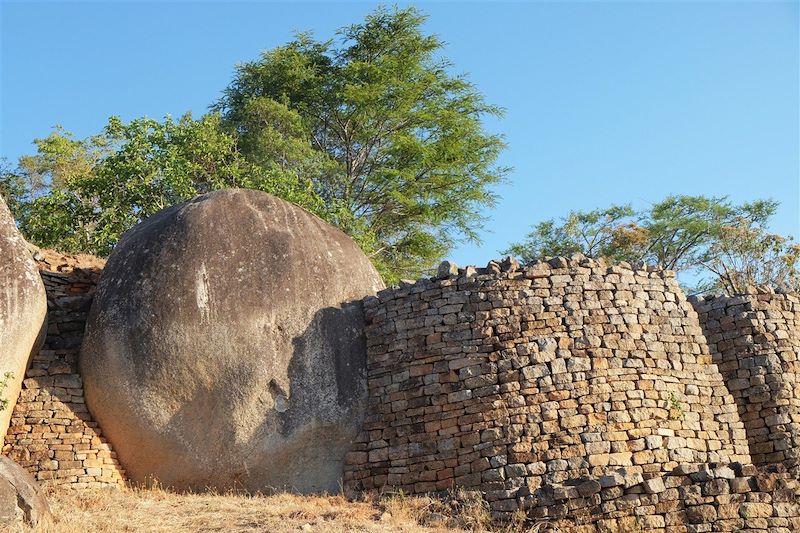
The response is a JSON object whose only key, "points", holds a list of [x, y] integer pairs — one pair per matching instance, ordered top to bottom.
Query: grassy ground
{"points": [[157, 510]]}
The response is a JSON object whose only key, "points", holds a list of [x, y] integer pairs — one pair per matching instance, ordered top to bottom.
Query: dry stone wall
{"points": [[755, 341], [507, 380], [593, 397], [52, 433], [693, 498]]}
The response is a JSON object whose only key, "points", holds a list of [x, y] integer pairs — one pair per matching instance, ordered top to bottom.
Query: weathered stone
{"points": [[509, 264], [447, 269], [23, 312], [755, 339], [225, 346], [50, 421], [612, 479], [654, 485], [588, 488], [21, 501], [755, 510], [701, 514]]}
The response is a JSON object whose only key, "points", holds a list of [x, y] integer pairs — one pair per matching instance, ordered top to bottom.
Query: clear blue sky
{"points": [[605, 102]]}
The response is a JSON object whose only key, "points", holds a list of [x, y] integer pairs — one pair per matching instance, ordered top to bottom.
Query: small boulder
{"points": [[509, 264], [447, 269], [21, 499]]}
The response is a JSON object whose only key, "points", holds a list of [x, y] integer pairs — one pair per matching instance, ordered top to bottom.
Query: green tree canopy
{"points": [[370, 130], [403, 155], [13, 188], [81, 195], [593, 233], [724, 245], [746, 254]]}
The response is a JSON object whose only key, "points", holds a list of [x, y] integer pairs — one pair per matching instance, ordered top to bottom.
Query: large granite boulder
{"points": [[23, 313], [225, 346], [21, 501]]}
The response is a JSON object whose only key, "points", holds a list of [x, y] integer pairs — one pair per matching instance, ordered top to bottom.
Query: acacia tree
{"points": [[408, 163], [593, 233], [726, 245], [746, 255]]}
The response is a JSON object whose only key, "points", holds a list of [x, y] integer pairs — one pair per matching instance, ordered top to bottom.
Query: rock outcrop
{"points": [[23, 312], [225, 346], [52, 435], [21, 501]]}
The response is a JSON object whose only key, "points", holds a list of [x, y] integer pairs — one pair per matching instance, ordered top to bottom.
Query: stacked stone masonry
{"points": [[755, 341], [520, 381], [594, 398], [52, 434], [693, 498]]}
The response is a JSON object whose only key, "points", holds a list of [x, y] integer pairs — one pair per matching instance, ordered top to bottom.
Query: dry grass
{"points": [[156, 510]]}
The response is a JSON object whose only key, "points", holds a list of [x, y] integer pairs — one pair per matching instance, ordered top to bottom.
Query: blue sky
{"points": [[605, 102]]}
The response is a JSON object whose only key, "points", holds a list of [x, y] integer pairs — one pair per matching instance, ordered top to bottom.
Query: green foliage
{"points": [[372, 133], [399, 151], [59, 159], [135, 170], [13, 188], [681, 229], [594, 233], [726, 244], [746, 255], [3, 386], [676, 411]]}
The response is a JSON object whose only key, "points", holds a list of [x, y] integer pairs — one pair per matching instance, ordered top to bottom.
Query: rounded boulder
{"points": [[23, 313], [225, 347], [22, 503]]}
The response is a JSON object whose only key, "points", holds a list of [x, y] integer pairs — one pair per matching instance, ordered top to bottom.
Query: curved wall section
{"points": [[755, 341], [508, 380]]}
